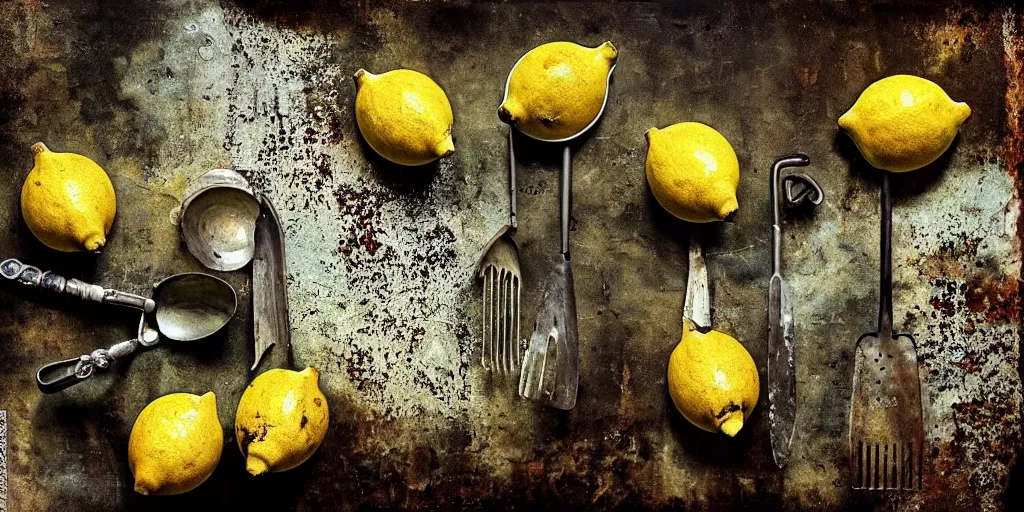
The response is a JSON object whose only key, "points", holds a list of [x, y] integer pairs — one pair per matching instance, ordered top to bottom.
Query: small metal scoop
{"points": [[218, 220], [187, 307], [550, 371]]}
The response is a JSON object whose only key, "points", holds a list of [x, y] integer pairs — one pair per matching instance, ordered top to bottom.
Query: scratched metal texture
{"points": [[381, 273]]}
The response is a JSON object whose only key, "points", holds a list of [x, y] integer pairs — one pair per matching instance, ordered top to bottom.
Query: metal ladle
{"points": [[185, 307], [555, 334]]}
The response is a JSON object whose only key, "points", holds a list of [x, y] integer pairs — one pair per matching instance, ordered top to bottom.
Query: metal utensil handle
{"points": [[794, 160], [512, 180], [566, 198], [885, 265], [32, 276], [61, 375]]}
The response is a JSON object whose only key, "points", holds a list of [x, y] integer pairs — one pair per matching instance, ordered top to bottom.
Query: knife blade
{"points": [[269, 288], [781, 370]]}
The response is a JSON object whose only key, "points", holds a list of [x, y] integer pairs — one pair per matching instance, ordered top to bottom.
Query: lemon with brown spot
{"points": [[558, 89], [404, 116], [903, 122], [693, 172], [67, 201], [713, 380], [281, 420], [175, 444]]}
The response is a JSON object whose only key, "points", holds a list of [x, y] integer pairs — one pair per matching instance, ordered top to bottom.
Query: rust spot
{"points": [[997, 299]]}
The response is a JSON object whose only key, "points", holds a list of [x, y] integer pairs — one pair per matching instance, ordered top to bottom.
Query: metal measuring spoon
{"points": [[188, 307], [556, 335]]}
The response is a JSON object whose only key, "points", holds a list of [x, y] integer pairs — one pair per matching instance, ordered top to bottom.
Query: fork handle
{"points": [[566, 198]]}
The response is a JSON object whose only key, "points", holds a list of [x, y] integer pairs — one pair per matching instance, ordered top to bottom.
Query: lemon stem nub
{"points": [[608, 51], [359, 76], [506, 115], [39, 147], [446, 147], [94, 242], [732, 424], [256, 466]]}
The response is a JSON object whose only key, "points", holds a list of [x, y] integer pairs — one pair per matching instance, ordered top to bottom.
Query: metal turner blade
{"points": [[886, 425]]}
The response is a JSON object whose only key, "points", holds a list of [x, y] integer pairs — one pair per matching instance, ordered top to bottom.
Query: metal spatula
{"points": [[886, 427]]}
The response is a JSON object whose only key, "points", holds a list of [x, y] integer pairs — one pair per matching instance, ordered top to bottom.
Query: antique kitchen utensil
{"points": [[796, 188], [218, 220], [502, 288], [269, 289], [185, 307], [551, 367], [886, 426]]}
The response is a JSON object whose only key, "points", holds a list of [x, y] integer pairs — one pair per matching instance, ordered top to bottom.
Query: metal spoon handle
{"points": [[566, 198], [512, 221], [32, 276], [61, 375]]}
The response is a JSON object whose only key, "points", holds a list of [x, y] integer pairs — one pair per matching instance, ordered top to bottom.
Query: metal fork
{"points": [[502, 289]]}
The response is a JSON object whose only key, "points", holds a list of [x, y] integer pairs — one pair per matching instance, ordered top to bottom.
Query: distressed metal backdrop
{"points": [[381, 271]]}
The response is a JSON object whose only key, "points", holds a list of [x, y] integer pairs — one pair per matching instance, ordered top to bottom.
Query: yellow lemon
{"points": [[557, 89], [404, 116], [903, 122], [693, 172], [67, 201], [712, 380], [281, 420], [175, 444]]}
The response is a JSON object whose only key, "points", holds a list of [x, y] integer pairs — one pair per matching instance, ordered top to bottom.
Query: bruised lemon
{"points": [[557, 89], [404, 116], [903, 122], [693, 172], [67, 201], [713, 380], [281, 420], [175, 444]]}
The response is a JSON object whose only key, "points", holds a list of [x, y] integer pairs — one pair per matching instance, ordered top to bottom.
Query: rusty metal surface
{"points": [[382, 295]]}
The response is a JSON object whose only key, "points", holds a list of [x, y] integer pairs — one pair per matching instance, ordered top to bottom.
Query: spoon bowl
{"points": [[218, 220], [192, 306]]}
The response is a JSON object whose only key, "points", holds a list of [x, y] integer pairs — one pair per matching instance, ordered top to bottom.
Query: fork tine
{"points": [[494, 316], [503, 317], [486, 320], [510, 349], [516, 349], [507, 360], [886, 457], [896, 466], [873, 467]]}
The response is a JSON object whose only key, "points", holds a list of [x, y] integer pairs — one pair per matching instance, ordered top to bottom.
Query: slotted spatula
{"points": [[886, 427]]}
